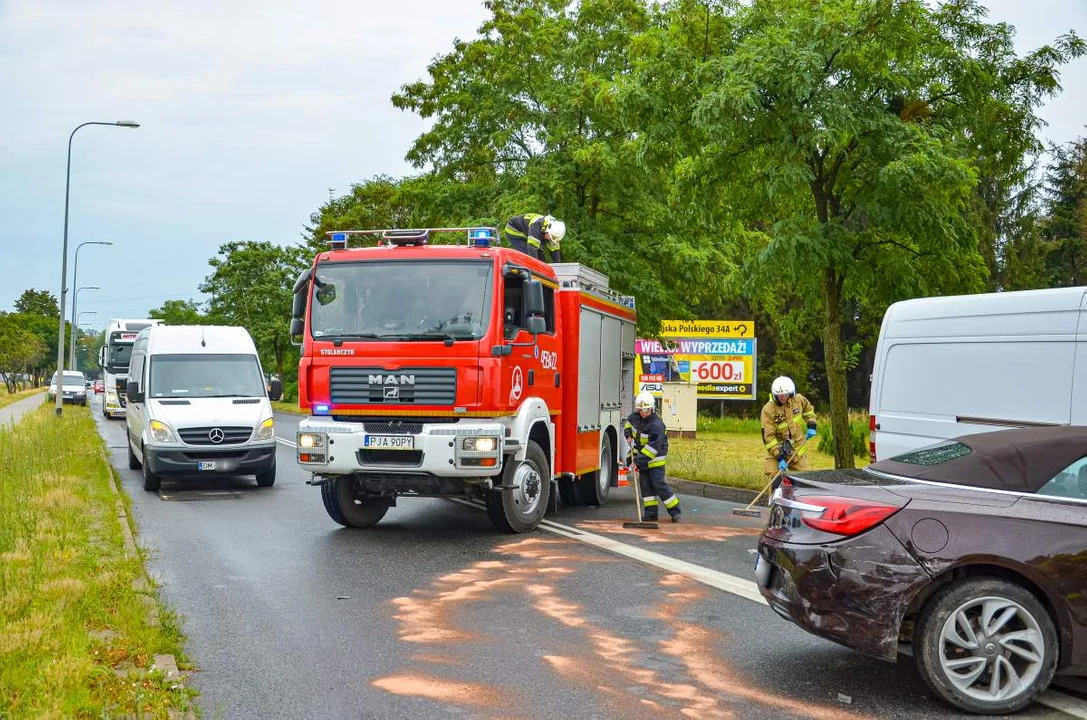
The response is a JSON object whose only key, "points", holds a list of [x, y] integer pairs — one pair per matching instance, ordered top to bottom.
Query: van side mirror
{"points": [[534, 299], [536, 325], [132, 390]]}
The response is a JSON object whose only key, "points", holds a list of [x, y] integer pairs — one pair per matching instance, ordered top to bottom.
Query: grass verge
{"points": [[7, 399], [286, 407], [731, 459], [76, 635]]}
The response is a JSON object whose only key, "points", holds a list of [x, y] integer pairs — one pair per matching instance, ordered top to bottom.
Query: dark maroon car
{"points": [[974, 551]]}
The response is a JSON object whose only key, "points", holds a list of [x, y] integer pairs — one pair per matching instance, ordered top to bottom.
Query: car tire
{"points": [[133, 461], [268, 477], [151, 482], [598, 484], [520, 505], [342, 506], [1021, 634]]}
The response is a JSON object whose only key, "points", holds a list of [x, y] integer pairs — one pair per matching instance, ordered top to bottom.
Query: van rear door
{"points": [[947, 367], [1079, 378]]}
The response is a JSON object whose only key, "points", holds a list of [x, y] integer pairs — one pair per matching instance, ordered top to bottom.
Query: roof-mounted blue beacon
{"points": [[482, 237], [338, 240]]}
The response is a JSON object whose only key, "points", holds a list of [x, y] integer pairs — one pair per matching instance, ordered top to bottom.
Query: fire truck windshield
{"points": [[401, 300]]}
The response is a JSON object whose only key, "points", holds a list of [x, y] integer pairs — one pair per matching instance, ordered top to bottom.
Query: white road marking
{"points": [[288, 443], [713, 578], [731, 584], [1065, 703]]}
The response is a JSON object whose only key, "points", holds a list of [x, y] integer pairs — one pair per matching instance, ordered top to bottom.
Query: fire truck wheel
{"points": [[598, 484], [521, 508], [348, 510]]}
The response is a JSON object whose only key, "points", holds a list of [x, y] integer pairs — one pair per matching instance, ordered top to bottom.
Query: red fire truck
{"points": [[459, 370]]}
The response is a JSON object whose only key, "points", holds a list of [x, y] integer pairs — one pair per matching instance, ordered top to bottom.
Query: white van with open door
{"points": [[950, 366], [197, 404]]}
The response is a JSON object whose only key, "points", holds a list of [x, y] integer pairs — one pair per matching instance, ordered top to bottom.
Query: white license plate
{"points": [[390, 442], [205, 466]]}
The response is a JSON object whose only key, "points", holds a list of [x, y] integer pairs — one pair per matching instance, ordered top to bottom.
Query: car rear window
{"points": [[934, 454]]}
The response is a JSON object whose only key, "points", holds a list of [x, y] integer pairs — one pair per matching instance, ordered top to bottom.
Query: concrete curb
{"points": [[714, 492]]}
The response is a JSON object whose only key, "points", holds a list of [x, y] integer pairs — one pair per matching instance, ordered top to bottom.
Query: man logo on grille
{"points": [[216, 435]]}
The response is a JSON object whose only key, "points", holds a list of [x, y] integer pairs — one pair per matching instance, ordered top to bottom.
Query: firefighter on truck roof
{"points": [[532, 234], [788, 423], [649, 440]]}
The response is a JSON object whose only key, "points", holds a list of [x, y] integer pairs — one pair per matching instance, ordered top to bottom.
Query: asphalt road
{"points": [[433, 612]]}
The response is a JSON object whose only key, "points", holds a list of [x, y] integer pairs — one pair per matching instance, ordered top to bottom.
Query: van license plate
{"points": [[390, 442], [205, 466]]}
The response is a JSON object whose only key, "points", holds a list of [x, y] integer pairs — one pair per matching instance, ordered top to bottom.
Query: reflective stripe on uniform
{"points": [[510, 230], [534, 242], [809, 414], [783, 425], [801, 450], [650, 451], [658, 461], [650, 502], [671, 502]]}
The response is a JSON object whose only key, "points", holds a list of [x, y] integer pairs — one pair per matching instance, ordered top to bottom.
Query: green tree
{"points": [[859, 128], [1064, 216], [250, 285], [38, 302], [180, 312], [20, 350]]}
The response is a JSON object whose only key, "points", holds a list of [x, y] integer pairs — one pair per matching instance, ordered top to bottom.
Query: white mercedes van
{"points": [[950, 366], [197, 404]]}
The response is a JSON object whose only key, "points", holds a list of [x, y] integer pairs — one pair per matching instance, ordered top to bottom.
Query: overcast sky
{"points": [[251, 113]]}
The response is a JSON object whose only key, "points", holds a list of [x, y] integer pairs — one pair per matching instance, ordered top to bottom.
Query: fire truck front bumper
{"points": [[449, 450]]}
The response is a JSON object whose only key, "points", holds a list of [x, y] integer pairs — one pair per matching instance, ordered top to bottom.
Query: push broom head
{"points": [[747, 512], [642, 525]]}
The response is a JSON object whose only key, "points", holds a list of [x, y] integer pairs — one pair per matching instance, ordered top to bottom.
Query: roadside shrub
{"points": [[858, 432]]}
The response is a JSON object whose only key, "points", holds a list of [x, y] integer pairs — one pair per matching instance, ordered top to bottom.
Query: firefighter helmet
{"points": [[556, 228], [783, 386], [645, 401]]}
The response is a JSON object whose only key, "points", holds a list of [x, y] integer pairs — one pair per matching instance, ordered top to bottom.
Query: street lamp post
{"points": [[64, 252], [75, 282], [75, 302], [74, 363]]}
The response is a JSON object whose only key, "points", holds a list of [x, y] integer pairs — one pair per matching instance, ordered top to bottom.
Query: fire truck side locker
{"points": [[598, 348]]}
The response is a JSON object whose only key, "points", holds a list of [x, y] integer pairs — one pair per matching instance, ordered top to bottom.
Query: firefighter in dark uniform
{"points": [[532, 234], [788, 423], [645, 431]]}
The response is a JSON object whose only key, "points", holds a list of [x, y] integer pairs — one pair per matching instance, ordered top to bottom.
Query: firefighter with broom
{"points": [[788, 423], [645, 432]]}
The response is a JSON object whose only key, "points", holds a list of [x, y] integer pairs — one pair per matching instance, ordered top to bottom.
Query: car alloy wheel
{"points": [[991, 649]]}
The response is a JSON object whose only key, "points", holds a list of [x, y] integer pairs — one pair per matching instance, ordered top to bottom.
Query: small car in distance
{"points": [[73, 387], [99, 387], [973, 551]]}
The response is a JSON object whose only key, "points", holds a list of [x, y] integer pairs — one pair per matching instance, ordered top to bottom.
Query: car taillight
{"points": [[872, 438], [845, 516]]}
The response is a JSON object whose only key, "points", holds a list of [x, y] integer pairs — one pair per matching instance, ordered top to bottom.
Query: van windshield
{"points": [[399, 300], [203, 376]]}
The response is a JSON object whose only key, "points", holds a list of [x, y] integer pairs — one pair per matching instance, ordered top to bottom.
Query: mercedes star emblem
{"points": [[216, 435]]}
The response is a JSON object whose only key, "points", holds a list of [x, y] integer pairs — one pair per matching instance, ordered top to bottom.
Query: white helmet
{"points": [[557, 229], [783, 386], [645, 401]]}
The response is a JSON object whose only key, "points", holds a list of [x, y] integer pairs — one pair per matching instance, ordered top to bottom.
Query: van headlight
{"points": [[265, 431], [161, 432]]}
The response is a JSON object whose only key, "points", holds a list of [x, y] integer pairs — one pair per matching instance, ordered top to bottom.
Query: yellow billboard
{"points": [[716, 355]]}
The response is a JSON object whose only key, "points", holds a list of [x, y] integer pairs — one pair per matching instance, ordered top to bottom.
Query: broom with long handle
{"points": [[748, 511]]}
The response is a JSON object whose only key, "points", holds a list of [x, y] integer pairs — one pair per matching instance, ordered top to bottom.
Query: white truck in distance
{"points": [[114, 358]]}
